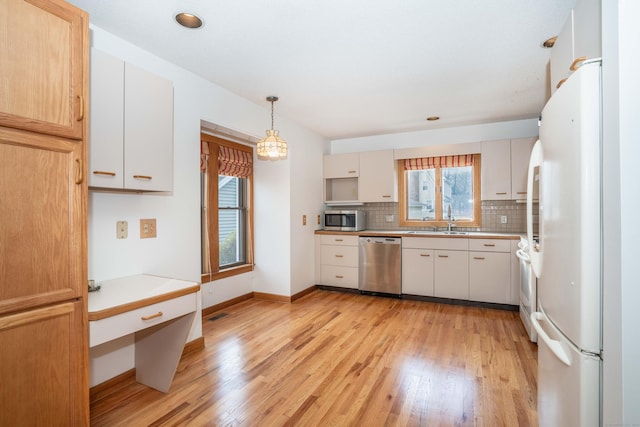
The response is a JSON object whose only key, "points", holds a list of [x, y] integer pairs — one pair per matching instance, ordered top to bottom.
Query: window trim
{"points": [[440, 221], [214, 249]]}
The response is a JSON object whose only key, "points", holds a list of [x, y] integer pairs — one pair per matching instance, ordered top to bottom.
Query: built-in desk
{"points": [[158, 310]]}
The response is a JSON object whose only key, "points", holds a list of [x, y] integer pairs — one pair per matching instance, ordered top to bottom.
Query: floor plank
{"points": [[343, 359]]}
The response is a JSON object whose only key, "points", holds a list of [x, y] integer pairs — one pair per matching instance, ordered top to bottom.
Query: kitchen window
{"points": [[430, 186], [227, 218]]}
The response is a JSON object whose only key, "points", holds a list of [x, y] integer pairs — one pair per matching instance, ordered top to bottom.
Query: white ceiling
{"points": [[357, 67]]}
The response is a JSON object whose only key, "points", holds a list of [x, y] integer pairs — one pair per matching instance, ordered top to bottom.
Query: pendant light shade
{"points": [[272, 147]]}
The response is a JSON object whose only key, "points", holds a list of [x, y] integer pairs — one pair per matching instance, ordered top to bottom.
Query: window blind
{"points": [[440, 161]]}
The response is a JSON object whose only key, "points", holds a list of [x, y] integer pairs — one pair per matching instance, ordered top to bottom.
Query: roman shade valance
{"points": [[439, 161], [232, 162]]}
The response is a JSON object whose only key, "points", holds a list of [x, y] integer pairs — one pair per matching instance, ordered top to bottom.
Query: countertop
{"points": [[422, 233], [128, 293]]}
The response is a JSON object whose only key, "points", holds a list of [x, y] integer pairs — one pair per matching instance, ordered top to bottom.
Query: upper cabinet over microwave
{"points": [[131, 128]]}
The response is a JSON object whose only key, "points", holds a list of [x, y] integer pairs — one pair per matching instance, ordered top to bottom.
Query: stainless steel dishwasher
{"points": [[380, 265]]}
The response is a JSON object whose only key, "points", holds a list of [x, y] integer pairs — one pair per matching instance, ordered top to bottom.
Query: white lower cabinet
{"points": [[338, 260], [490, 270], [417, 271], [451, 274]]}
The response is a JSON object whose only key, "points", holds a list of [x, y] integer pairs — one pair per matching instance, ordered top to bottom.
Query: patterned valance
{"points": [[440, 161], [232, 162]]}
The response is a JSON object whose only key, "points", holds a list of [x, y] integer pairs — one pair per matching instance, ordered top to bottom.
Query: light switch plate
{"points": [[148, 228], [122, 229]]}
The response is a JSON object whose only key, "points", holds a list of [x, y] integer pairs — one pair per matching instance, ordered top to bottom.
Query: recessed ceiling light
{"points": [[189, 20], [548, 43], [433, 118]]}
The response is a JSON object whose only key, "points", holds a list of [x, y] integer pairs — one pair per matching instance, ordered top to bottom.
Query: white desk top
{"points": [[127, 293]]}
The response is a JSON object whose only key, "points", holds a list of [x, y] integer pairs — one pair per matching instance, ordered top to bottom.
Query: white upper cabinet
{"points": [[579, 40], [131, 128], [520, 153], [495, 163], [341, 165], [378, 177]]}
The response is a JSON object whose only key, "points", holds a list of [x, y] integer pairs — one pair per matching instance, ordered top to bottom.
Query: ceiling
{"points": [[359, 67]]}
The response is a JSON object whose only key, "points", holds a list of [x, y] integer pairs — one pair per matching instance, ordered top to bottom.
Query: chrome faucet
{"points": [[450, 219]]}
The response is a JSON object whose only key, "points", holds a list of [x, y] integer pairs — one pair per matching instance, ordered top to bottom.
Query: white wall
{"points": [[621, 133], [441, 136], [282, 189]]}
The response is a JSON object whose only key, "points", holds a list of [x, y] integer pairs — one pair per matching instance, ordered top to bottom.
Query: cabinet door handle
{"points": [[577, 63], [560, 83], [80, 108], [351, 171], [104, 173], [79, 177], [143, 177], [521, 192], [501, 193], [386, 196], [339, 240], [489, 245], [425, 255], [339, 256], [443, 256], [478, 257], [339, 277], [152, 316]]}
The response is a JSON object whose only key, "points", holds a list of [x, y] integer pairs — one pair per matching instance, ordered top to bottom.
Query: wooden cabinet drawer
{"points": [[333, 239], [447, 243], [490, 245], [346, 256], [345, 277], [109, 328]]}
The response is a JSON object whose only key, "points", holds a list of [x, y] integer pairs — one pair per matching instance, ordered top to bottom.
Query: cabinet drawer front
{"points": [[336, 239], [453, 243], [490, 245], [346, 256], [345, 277], [109, 328]]}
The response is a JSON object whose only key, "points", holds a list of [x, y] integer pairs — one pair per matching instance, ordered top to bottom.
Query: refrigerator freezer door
{"points": [[569, 287], [568, 386]]}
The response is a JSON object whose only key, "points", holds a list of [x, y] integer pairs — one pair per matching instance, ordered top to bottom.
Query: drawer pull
{"points": [[560, 83], [352, 171], [104, 173], [147, 177], [521, 192], [501, 193], [386, 196], [339, 240], [489, 244], [425, 255], [339, 256], [443, 256], [478, 257], [339, 277], [152, 316]]}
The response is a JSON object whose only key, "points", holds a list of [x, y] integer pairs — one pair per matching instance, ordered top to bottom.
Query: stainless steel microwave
{"points": [[344, 220]]}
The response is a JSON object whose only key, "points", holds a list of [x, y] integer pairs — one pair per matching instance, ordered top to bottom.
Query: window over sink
{"points": [[431, 187]]}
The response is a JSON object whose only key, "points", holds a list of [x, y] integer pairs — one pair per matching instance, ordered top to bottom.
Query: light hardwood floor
{"points": [[336, 359]]}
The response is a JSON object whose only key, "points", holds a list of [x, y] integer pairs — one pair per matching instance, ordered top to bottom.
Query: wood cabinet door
{"points": [[42, 77], [520, 153], [341, 166], [378, 177], [42, 220], [417, 271], [451, 277], [490, 277], [43, 367]]}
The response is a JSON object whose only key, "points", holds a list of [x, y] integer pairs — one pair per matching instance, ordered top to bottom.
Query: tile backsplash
{"points": [[384, 216]]}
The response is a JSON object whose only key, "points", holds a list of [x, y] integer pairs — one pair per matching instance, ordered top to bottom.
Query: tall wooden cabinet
{"points": [[43, 213]]}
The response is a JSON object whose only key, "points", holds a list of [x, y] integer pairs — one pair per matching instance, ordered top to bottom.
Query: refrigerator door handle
{"points": [[535, 161], [554, 345]]}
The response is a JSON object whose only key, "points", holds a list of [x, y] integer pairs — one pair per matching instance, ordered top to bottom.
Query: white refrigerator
{"points": [[567, 259]]}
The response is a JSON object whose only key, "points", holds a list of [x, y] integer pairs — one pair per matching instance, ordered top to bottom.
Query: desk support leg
{"points": [[158, 351]]}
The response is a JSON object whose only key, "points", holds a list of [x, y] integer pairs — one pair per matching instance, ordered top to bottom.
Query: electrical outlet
{"points": [[389, 218], [503, 219], [304, 220], [318, 220], [147, 228], [122, 229]]}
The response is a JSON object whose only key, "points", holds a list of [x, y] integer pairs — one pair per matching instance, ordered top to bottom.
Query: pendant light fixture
{"points": [[272, 147]]}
